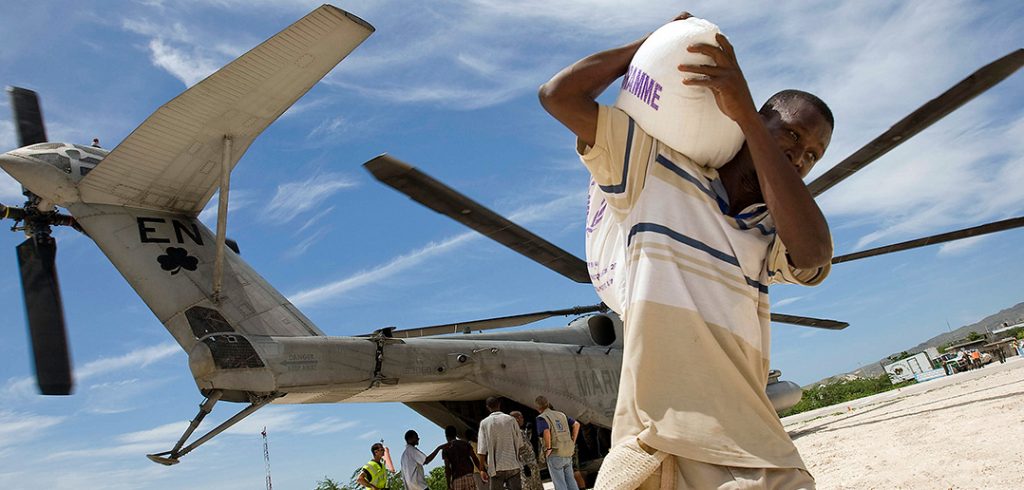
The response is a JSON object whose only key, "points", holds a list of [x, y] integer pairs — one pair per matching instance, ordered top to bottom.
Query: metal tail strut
{"points": [[171, 457]]}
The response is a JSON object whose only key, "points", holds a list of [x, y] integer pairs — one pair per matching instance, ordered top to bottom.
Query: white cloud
{"points": [[186, 55], [188, 66], [443, 93], [304, 105], [332, 127], [8, 141], [954, 174], [949, 179], [10, 191], [294, 198], [237, 199], [536, 213], [317, 219], [959, 247], [300, 248], [319, 294], [788, 301], [138, 358], [25, 387], [21, 388], [119, 396], [328, 425], [19, 427], [157, 435], [366, 436], [96, 475]]}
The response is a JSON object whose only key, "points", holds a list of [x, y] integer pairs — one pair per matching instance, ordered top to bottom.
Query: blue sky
{"points": [[450, 87]]}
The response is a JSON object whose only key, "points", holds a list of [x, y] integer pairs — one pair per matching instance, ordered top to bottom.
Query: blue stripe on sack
{"points": [[665, 162], [620, 188], [692, 242]]}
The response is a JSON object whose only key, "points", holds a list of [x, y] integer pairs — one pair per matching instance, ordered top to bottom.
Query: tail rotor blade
{"points": [[977, 83], [28, 117], [435, 195], [973, 231], [45, 314], [806, 321], [494, 323]]}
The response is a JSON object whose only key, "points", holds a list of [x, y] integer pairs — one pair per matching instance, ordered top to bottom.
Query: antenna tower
{"points": [[266, 457]]}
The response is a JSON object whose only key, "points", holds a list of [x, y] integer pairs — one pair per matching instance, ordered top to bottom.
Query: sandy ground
{"points": [[957, 432]]}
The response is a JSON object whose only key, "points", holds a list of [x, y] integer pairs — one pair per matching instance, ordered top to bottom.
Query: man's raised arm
{"points": [[570, 96], [799, 221]]}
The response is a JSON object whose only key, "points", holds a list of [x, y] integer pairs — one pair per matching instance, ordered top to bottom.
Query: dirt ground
{"points": [[957, 432]]}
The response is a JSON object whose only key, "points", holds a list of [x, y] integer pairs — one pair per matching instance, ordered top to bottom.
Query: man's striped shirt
{"points": [[694, 289]]}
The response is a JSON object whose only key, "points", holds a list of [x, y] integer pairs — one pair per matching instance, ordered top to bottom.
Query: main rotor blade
{"points": [[937, 108], [28, 118], [437, 196], [973, 231], [45, 314], [806, 321], [493, 323]]}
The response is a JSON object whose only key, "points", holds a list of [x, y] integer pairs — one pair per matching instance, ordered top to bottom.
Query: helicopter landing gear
{"points": [[171, 457]]}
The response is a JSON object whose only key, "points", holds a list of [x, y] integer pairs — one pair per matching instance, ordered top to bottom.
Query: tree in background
{"points": [[842, 391], [436, 479], [394, 482], [327, 484]]}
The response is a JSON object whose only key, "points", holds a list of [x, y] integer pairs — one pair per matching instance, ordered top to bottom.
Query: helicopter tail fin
{"points": [[169, 260]]}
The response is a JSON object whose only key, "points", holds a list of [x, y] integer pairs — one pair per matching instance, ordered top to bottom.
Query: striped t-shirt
{"points": [[694, 289]]}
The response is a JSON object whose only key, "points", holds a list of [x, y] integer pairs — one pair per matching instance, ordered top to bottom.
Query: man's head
{"points": [[801, 124], [493, 403], [542, 403], [516, 414], [450, 433], [411, 437], [377, 449]]}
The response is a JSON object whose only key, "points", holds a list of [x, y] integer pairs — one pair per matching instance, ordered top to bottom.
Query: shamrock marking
{"points": [[177, 258]]}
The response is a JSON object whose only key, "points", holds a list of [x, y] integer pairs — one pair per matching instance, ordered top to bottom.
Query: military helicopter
{"points": [[246, 342]]}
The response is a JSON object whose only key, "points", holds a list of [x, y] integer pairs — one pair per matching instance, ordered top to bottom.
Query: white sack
{"points": [[684, 117], [606, 250]]}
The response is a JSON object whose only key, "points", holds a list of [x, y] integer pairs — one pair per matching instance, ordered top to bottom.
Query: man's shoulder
{"points": [[551, 413], [506, 419], [456, 446]]}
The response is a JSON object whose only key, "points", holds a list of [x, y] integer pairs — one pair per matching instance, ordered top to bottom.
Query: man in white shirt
{"points": [[498, 446], [413, 460]]}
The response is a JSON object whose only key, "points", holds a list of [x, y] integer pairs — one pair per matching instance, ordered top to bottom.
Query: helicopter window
{"points": [[45, 146], [93, 151], [90, 160], [60, 161], [205, 321], [232, 352]]}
